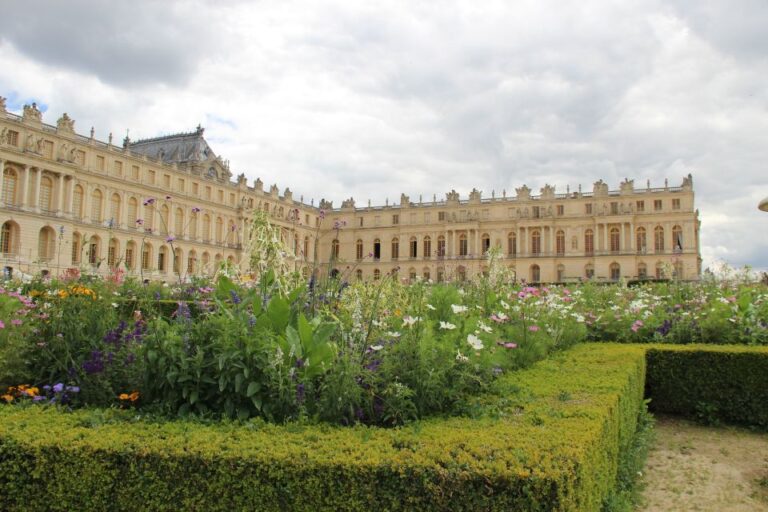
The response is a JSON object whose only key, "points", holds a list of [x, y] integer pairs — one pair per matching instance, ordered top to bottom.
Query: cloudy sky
{"points": [[370, 99]]}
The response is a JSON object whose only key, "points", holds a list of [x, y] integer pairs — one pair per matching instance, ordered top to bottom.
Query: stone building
{"points": [[168, 208]]}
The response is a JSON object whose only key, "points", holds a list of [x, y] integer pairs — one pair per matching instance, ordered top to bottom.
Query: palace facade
{"points": [[168, 208]]}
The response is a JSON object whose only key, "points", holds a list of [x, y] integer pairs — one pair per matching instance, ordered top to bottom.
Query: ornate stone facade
{"points": [[168, 207]]}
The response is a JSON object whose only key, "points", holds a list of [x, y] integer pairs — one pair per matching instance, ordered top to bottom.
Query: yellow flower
{"points": [[32, 391], [123, 396], [134, 396], [7, 398]]}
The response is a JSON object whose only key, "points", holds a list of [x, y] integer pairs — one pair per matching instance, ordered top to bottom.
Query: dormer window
{"points": [[211, 172]]}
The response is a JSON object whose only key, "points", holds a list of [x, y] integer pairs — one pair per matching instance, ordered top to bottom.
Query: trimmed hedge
{"points": [[710, 383], [546, 438]]}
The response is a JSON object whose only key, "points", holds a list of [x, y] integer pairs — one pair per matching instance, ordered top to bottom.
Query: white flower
{"points": [[114, 304], [504, 305], [430, 306], [458, 309], [579, 318], [410, 320], [376, 323], [447, 325], [483, 327], [393, 334], [475, 342], [376, 348], [461, 357]]}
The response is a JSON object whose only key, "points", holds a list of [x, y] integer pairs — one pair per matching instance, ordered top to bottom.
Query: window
{"points": [[12, 138], [48, 149], [100, 163], [118, 166], [135, 172], [151, 177], [167, 181], [10, 184], [180, 185], [195, 189], [46, 194], [220, 195], [208, 197], [232, 199], [77, 202], [676, 204], [657, 205], [96, 206], [640, 206], [614, 208], [114, 209], [588, 209], [560, 210], [535, 212], [165, 215], [440, 216], [395, 219], [178, 222], [361, 222], [193, 225], [219, 229], [8, 238], [677, 238], [615, 239], [658, 239], [641, 240], [77, 241], [535, 241], [589, 242], [486, 243], [560, 243], [46, 244], [512, 244], [463, 245], [440, 246], [306, 247], [413, 247], [427, 247], [395, 248], [335, 249], [377, 249], [94, 250], [359, 250], [112, 252], [129, 255], [177, 256], [161, 259], [191, 260], [642, 270], [589, 271], [615, 271], [461, 273], [560, 273], [359, 274], [376, 274], [425, 274], [440, 274], [535, 274], [660, 274], [412, 275]]}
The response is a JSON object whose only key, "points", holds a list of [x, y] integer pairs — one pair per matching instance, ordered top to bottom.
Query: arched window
{"points": [[10, 185], [46, 194], [77, 202], [96, 207], [114, 209], [133, 212], [164, 219], [178, 223], [193, 224], [206, 228], [219, 229], [9, 236], [677, 238], [615, 239], [658, 239], [640, 240], [485, 242], [560, 242], [589, 242], [536, 243], [46, 244], [512, 244], [441, 246], [77, 247], [306, 247], [427, 247], [335, 248], [395, 248], [413, 248], [463, 248], [359, 249], [377, 249], [94, 250], [112, 252], [130, 255], [146, 256], [178, 257], [162, 258], [217, 260], [206, 261], [191, 262], [642, 270], [589, 271], [615, 271], [461, 273], [561, 273], [359, 274], [376, 274], [425, 274], [440, 274], [535, 274], [660, 274], [412, 275]]}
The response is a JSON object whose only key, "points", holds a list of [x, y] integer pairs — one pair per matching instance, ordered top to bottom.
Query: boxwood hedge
{"points": [[710, 383], [547, 438]]}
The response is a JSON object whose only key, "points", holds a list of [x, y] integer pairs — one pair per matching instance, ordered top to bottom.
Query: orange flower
{"points": [[32, 391], [123, 396], [134, 396], [7, 398]]}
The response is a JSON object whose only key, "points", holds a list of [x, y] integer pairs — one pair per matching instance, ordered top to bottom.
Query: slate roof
{"points": [[180, 148]]}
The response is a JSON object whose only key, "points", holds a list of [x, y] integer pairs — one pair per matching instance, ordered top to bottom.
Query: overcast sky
{"points": [[370, 99]]}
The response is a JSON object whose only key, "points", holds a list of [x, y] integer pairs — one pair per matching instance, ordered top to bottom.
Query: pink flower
{"points": [[16, 321], [2, 325], [637, 325], [533, 328], [507, 344]]}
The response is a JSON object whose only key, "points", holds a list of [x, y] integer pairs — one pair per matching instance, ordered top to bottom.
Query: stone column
{"points": [[39, 176], [2, 180], [70, 195], [60, 199], [87, 202], [632, 237], [623, 244], [606, 247]]}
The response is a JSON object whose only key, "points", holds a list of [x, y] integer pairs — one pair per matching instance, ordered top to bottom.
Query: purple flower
{"points": [[167, 198], [149, 201], [196, 210], [140, 222], [170, 239], [235, 297], [299, 362], [58, 387], [73, 389], [300, 393], [38, 398]]}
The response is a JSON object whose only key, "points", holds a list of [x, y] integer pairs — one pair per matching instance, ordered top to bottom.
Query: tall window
{"points": [[10, 184], [46, 194], [77, 202], [96, 209], [114, 209], [133, 212], [149, 216], [165, 217], [178, 222], [193, 225], [206, 228], [219, 229], [7, 238], [677, 238], [615, 239], [658, 239], [640, 240], [486, 242], [536, 242], [589, 242], [46, 243], [77, 243], [560, 243], [512, 244], [463, 245], [441, 246], [306, 247], [413, 247], [427, 247], [335, 248], [395, 248], [94, 249], [359, 249], [377, 249], [112, 253], [130, 255], [146, 256], [177, 258], [161, 259], [191, 260], [642, 270], [589, 271], [615, 271], [461, 273], [560, 273], [359, 274], [376, 274], [535, 274]]}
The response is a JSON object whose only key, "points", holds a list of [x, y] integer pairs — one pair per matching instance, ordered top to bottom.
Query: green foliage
{"points": [[710, 383], [526, 450]]}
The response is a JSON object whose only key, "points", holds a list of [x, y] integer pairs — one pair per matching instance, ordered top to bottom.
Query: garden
{"points": [[265, 391]]}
